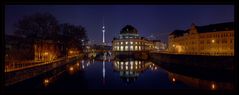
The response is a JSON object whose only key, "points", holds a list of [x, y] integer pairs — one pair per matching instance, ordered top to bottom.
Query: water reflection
{"points": [[130, 69], [91, 74], [54, 75], [200, 83]]}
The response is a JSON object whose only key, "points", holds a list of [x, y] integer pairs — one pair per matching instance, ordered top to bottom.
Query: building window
{"points": [[121, 43], [126, 43], [131, 43], [136, 43], [136, 47], [139, 47], [117, 48], [121, 48], [126, 48], [131, 48]]}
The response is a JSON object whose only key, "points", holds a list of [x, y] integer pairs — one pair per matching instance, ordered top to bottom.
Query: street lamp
{"points": [[213, 41], [71, 51], [46, 53]]}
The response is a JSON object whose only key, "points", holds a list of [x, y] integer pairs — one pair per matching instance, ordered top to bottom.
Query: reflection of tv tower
{"points": [[103, 30], [104, 71]]}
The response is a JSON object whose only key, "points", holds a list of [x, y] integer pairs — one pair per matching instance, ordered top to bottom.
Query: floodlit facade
{"points": [[214, 39], [129, 40]]}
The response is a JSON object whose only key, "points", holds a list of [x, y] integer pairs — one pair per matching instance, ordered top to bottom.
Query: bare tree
{"points": [[37, 26]]}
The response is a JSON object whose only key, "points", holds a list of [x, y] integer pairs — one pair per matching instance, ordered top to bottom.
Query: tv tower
{"points": [[103, 30]]}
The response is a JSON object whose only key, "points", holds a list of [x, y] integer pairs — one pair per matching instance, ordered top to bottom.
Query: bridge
{"points": [[93, 51]]}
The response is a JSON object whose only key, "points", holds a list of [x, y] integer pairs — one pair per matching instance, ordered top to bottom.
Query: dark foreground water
{"points": [[111, 75]]}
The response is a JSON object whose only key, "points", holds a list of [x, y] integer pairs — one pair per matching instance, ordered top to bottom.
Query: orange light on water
{"points": [[71, 68], [174, 80], [46, 81], [213, 86]]}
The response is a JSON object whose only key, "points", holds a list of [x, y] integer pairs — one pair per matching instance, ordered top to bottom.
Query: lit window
{"points": [[121, 43], [131, 43], [136, 47], [139, 47], [117, 48], [121, 48], [126, 48], [131, 48], [131, 62], [136, 62], [122, 63], [126, 63]]}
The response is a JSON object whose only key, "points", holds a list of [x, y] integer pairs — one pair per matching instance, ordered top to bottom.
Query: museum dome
{"points": [[128, 29]]}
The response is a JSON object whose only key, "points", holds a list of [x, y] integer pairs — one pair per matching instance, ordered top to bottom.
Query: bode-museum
{"points": [[214, 40], [130, 41]]}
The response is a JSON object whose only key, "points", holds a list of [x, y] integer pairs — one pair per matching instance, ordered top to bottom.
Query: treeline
{"points": [[41, 26], [41, 37]]}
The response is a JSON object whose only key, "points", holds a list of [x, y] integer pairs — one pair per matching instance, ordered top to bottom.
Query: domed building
{"points": [[129, 40]]}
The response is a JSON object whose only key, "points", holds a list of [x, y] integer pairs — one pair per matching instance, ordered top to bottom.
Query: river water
{"points": [[91, 74]]}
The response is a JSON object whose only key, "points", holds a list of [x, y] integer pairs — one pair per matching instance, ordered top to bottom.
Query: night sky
{"points": [[156, 20]]}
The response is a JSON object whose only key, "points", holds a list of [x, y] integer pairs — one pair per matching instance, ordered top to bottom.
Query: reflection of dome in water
{"points": [[128, 29], [129, 69], [128, 76], [128, 80]]}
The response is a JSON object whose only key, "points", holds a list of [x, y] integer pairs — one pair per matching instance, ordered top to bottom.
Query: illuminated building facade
{"points": [[214, 39], [129, 40]]}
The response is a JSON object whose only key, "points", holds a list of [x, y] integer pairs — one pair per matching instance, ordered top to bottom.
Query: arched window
{"points": [[136, 47], [121, 48], [126, 48], [131, 48]]}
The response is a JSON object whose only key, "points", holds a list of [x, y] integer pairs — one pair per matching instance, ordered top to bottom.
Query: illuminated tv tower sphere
{"points": [[103, 30]]}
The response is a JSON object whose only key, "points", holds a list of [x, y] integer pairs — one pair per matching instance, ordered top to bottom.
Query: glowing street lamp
{"points": [[213, 41], [71, 51], [46, 53], [71, 68]]}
